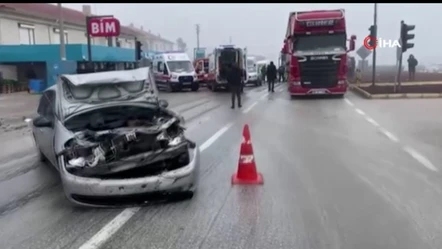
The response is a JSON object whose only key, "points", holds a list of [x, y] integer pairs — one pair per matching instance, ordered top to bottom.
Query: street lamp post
{"points": [[61, 32]]}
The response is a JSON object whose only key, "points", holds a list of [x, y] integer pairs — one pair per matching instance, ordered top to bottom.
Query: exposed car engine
{"points": [[138, 142]]}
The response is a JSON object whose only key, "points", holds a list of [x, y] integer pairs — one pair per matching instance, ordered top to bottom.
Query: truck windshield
{"points": [[320, 42], [180, 66]]}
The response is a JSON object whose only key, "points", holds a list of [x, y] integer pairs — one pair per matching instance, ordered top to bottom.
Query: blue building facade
{"points": [[74, 52], [48, 56]]}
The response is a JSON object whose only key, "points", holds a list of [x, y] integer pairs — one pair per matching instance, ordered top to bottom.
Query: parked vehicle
{"points": [[315, 46], [218, 60], [174, 71], [252, 72]]}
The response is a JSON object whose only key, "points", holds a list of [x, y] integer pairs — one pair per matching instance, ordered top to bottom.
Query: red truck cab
{"points": [[316, 51]]}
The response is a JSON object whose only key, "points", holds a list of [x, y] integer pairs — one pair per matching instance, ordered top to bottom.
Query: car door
{"points": [[37, 131], [49, 132], [44, 136]]}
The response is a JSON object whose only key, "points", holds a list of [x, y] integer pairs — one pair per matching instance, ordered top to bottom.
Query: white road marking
{"points": [[280, 90], [349, 102], [250, 107], [360, 111], [372, 121], [389, 135], [215, 137], [412, 152], [420, 158], [116, 223], [110, 228]]}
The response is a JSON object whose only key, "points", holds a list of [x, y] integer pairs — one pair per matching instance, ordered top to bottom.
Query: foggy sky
{"points": [[261, 27]]}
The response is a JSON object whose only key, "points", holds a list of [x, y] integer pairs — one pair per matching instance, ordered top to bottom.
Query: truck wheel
{"points": [[195, 87], [340, 96]]}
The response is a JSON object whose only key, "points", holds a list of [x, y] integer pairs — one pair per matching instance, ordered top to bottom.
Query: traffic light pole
{"points": [[375, 24], [399, 72], [397, 85]]}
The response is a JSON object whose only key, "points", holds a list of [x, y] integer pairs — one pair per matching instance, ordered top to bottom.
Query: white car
{"points": [[112, 140]]}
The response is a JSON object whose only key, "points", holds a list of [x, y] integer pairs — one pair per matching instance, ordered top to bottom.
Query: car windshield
{"points": [[320, 42], [180, 66], [251, 66]]}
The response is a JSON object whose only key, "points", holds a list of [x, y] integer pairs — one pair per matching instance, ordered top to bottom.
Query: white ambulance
{"points": [[174, 71]]}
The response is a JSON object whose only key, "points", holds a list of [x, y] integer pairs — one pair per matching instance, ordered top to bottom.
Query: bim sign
{"points": [[104, 27]]}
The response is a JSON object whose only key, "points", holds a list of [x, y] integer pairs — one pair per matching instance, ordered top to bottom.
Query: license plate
{"points": [[187, 83], [319, 91]]}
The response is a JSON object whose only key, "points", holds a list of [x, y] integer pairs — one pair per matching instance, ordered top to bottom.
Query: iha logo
{"points": [[370, 43]]}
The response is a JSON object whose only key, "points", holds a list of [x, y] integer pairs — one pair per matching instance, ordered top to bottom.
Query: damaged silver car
{"points": [[113, 141]]}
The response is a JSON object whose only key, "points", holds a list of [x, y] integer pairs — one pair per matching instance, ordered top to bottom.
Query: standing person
{"points": [[412, 63], [281, 72], [263, 73], [271, 76], [234, 79], [243, 79]]}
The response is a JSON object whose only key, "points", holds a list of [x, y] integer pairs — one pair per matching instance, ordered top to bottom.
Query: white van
{"points": [[221, 56], [174, 71], [252, 71]]}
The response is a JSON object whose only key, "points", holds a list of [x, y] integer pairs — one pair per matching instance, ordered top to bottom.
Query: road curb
{"points": [[417, 83], [359, 91], [367, 95]]}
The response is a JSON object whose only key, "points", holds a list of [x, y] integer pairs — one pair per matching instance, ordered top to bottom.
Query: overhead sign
{"points": [[104, 27], [363, 52], [200, 53]]}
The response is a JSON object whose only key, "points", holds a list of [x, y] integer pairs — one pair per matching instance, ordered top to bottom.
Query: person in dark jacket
{"points": [[412, 63], [281, 73], [271, 76], [244, 78], [235, 79]]}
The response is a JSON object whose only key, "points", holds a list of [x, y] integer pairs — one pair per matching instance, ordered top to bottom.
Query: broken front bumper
{"points": [[91, 191]]}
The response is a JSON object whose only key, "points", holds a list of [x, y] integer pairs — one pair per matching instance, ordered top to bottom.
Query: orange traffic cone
{"points": [[247, 173]]}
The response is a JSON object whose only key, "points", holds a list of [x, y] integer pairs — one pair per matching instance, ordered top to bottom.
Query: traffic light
{"points": [[406, 37], [372, 41], [138, 50]]}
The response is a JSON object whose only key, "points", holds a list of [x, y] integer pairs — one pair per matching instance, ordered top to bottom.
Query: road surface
{"points": [[338, 173]]}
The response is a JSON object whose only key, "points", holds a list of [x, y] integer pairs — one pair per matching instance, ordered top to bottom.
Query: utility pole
{"points": [[375, 24], [61, 31], [197, 36]]}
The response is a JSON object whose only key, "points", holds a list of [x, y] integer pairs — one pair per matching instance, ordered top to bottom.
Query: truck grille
{"points": [[321, 73], [183, 79]]}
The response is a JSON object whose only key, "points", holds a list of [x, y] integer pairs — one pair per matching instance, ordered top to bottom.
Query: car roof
{"points": [[109, 77]]}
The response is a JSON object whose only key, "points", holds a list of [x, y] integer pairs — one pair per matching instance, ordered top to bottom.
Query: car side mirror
{"points": [[163, 103], [42, 122]]}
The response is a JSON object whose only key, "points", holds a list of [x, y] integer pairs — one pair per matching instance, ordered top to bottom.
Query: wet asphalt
{"points": [[338, 173]]}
